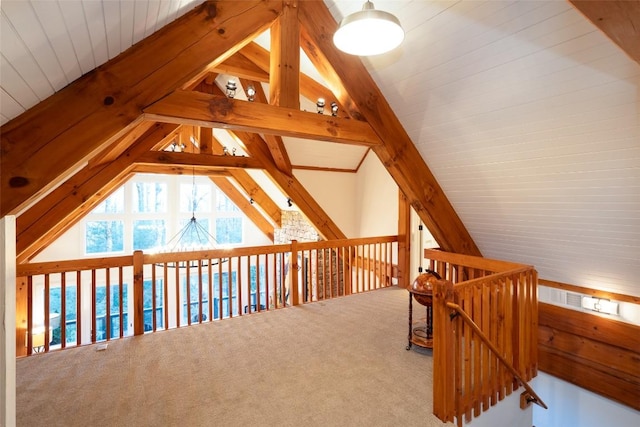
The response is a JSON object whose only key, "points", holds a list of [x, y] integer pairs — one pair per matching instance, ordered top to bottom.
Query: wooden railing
{"points": [[72, 303], [485, 329]]}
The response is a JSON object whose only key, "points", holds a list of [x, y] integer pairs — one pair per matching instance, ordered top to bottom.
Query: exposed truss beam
{"points": [[618, 19], [346, 74], [203, 109], [57, 135], [204, 163], [290, 186], [239, 199], [66, 205]]}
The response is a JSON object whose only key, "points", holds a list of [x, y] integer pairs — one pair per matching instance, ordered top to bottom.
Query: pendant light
{"points": [[368, 32]]}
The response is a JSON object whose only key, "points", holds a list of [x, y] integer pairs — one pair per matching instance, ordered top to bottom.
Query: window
{"points": [[149, 197], [195, 198], [112, 204], [149, 210], [228, 221], [228, 230], [148, 233], [104, 237]]}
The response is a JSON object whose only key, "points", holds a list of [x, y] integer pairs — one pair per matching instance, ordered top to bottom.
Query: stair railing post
{"points": [[294, 273], [138, 294], [444, 387]]}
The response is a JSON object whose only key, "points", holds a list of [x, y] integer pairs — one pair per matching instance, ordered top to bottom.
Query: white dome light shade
{"points": [[368, 32]]}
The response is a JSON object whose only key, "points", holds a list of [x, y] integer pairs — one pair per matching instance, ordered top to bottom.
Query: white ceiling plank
{"points": [[111, 10], [127, 10], [163, 13], [94, 16], [152, 17], [140, 20], [52, 21], [26, 24], [76, 24], [15, 52], [9, 106]]}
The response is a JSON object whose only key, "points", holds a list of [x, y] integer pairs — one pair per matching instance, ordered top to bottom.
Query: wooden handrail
{"points": [[181, 285], [534, 397]]}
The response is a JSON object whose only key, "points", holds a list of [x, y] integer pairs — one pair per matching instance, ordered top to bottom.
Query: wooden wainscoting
{"points": [[593, 352]]}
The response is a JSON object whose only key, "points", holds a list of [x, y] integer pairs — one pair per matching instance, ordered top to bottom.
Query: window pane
{"points": [[149, 197], [195, 198], [112, 204], [224, 204], [229, 230], [148, 233], [104, 236]]}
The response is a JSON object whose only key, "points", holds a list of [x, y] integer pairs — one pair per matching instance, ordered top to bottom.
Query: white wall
{"points": [[336, 193], [377, 199], [362, 204], [8, 318], [570, 405], [507, 413]]}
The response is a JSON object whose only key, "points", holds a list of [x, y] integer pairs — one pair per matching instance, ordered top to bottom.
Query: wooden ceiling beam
{"points": [[618, 19], [284, 65], [240, 66], [347, 74], [309, 88], [97, 109], [204, 109], [274, 142], [120, 146], [196, 161], [290, 186], [253, 190], [259, 196], [66, 205], [244, 205]]}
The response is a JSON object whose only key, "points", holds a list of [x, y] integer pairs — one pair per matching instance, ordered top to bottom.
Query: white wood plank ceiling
{"points": [[527, 114]]}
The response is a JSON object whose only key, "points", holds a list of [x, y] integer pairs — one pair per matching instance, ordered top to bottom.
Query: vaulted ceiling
{"points": [[525, 112]]}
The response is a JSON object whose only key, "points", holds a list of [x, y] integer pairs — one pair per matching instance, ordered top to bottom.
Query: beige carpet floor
{"points": [[336, 363]]}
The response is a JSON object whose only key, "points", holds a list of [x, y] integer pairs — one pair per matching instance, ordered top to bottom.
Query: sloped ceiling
{"points": [[527, 114]]}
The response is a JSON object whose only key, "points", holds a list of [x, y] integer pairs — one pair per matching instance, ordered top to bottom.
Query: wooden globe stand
{"points": [[421, 333]]}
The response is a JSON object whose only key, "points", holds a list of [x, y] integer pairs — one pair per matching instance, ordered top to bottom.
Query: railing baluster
{"points": [[238, 284], [229, 287], [63, 310], [94, 311], [79, 316], [107, 319]]}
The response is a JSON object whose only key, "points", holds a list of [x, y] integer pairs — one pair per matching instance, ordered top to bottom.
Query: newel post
{"points": [[294, 273], [138, 295], [444, 392]]}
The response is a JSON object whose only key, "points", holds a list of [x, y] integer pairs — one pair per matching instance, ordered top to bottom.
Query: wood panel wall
{"points": [[592, 352]]}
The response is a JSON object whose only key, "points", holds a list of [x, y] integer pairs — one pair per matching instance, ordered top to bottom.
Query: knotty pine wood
{"points": [[618, 19], [240, 66], [284, 68], [346, 74], [309, 88], [99, 107], [218, 111], [274, 142], [188, 161], [251, 187], [292, 187], [259, 196], [244, 205], [54, 214], [404, 241], [592, 352]]}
